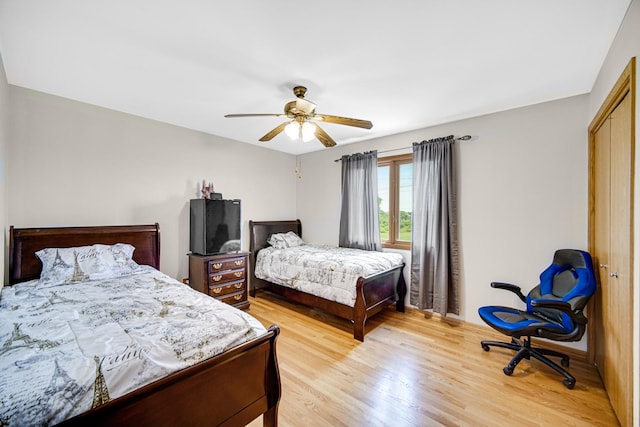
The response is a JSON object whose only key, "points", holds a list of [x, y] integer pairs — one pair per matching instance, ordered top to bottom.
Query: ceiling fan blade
{"points": [[255, 115], [366, 124], [269, 136], [325, 139]]}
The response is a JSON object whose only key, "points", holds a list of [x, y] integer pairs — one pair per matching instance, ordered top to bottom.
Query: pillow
{"points": [[285, 240], [276, 241], [122, 253], [68, 265]]}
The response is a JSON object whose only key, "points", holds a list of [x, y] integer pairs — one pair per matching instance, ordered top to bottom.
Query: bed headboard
{"points": [[259, 232], [25, 242]]}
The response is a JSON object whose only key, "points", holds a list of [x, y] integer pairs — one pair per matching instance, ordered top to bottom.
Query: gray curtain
{"points": [[359, 222], [434, 241]]}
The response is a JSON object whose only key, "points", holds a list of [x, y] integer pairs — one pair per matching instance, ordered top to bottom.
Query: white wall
{"points": [[625, 46], [4, 136], [75, 164], [522, 194]]}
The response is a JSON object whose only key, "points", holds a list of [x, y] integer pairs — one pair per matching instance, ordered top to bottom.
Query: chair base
{"points": [[525, 351]]}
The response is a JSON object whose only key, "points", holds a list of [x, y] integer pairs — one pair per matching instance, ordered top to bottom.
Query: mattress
{"points": [[324, 271], [67, 348]]}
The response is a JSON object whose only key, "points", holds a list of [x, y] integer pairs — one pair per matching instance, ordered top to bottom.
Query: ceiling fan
{"points": [[303, 120]]}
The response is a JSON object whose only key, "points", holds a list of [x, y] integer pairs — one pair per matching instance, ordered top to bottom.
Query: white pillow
{"points": [[285, 240], [68, 265]]}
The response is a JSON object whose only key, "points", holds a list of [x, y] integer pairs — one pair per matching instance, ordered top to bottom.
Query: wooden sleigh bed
{"points": [[373, 293], [232, 388]]}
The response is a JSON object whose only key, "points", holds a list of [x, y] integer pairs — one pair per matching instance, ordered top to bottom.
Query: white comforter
{"points": [[324, 271], [66, 348]]}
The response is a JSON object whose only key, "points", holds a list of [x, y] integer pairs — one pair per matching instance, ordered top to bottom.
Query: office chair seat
{"points": [[553, 311], [516, 323]]}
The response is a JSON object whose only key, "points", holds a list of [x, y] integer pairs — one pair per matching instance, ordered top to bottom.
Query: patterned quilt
{"points": [[324, 271], [67, 348]]}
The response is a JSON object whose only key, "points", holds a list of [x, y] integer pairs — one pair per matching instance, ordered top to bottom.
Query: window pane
{"points": [[383, 201], [405, 201]]}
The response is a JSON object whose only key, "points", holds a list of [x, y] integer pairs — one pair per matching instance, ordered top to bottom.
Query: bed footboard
{"points": [[373, 293], [231, 389]]}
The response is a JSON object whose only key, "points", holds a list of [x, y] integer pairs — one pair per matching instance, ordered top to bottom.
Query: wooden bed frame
{"points": [[372, 292], [230, 389]]}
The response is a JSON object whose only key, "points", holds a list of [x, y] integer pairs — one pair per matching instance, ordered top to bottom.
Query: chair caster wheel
{"points": [[485, 347], [565, 362], [508, 370], [569, 383]]}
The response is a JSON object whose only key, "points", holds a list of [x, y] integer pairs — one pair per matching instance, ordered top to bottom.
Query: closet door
{"points": [[611, 238], [619, 292], [602, 304]]}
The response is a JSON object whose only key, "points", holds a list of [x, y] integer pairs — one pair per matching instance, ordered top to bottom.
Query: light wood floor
{"points": [[413, 371]]}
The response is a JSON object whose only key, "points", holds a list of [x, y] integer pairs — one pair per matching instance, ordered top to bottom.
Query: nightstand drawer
{"points": [[227, 264], [226, 276], [227, 288], [232, 299]]}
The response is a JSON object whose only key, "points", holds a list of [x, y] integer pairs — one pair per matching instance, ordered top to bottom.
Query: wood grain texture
{"points": [[611, 213], [414, 371]]}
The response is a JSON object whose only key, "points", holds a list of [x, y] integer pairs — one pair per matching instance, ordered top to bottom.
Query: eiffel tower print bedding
{"points": [[67, 347]]}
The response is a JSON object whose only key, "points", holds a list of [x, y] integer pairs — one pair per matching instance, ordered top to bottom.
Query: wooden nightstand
{"points": [[222, 276]]}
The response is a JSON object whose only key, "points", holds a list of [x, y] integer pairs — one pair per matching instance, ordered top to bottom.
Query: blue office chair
{"points": [[554, 311]]}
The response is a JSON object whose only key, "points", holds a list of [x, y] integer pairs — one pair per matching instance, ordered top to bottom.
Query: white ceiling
{"points": [[403, 64]]}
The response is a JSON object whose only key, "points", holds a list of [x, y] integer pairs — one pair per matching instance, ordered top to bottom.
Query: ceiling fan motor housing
{"points": [[299, 91], [299, 107]]}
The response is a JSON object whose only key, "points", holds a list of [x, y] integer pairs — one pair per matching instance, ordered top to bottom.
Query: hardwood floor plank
{"points": [[415, 371]]}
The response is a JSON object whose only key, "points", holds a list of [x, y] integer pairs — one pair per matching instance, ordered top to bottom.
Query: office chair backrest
{"points": [[570, 279]]}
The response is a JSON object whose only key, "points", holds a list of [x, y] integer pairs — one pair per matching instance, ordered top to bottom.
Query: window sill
{"points": [[403, 246]]}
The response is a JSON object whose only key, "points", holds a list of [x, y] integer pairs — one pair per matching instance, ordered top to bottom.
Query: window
{"points": [[395, 199]]}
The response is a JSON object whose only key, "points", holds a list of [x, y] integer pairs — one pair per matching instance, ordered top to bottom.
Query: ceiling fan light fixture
{"points": [[292, 129], [305, 131], [308, 131]]}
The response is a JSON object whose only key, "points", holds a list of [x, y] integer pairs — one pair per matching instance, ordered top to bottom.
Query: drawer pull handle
{"points": [[239, 262], [217, 266], [238, 273], [217, 278], [239, 285], [217, 290], [237, 297]]}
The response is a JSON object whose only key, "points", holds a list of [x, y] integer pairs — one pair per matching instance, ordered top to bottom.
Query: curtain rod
{"points": [[461, 138]]}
